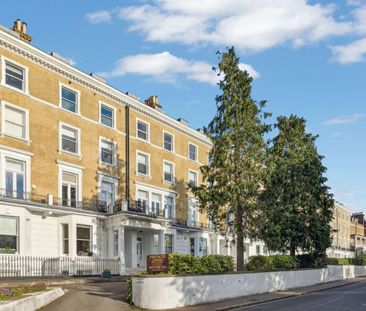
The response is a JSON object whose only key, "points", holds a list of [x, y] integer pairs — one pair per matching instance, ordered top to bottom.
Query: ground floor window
{"points": [[8, 235], [65, 239], [83, 240], [115, 243], [168, 243], [192, 246], [203, 247]]}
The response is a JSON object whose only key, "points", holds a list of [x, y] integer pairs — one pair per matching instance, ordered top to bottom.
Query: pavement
{"points": [[105, 296], [109, 296]]}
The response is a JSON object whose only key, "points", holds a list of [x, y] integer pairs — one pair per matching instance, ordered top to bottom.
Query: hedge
{"points": [[346, 261], [272, 263], [188, 264]]}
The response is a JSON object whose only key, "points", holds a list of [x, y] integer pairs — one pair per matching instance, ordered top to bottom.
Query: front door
{"points": [[139, 252]]}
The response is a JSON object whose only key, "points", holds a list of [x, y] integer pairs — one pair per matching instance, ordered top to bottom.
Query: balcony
{"points": [[93, 205], [139, 207]]}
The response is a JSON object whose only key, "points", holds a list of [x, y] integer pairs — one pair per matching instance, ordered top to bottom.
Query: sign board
{"points": [[157, 263]]}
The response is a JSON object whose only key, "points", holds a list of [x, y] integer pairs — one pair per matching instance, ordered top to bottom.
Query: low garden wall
{"points": [[165, 291]]}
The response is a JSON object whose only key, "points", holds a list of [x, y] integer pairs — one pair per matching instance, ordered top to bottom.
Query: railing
{"points": [[92, 204], [139, 207], [190, 223], [29, 266]]}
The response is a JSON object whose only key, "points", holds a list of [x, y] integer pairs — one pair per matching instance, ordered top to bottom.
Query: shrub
{"points": [[346, 261], [272, 263], [188, 264], [9, 292], [128, 295]]}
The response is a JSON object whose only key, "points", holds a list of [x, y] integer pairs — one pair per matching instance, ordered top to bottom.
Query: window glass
{"points": [[14, 76], [69, 99], [106, 116], [14, 122], [142, 130], [69, 138], [168, 142], [107, 152], [192, 152], [142, 164], [168, 171], [192, 178], [14, 179], [69, 189], [107, 192], [156, 203], [168, 206], [192, 212], [8, 234], [65, 239], [83, 241], [115, 243], [168, 243], [203, 246]]}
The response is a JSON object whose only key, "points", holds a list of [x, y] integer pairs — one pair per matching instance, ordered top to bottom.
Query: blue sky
{"points": [[307, 58]]}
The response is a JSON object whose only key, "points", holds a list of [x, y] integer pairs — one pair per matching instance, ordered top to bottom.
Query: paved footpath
{"points": [[106, 296]]}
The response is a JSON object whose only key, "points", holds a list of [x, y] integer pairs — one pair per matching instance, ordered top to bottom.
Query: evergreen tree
{"points": [[232, 180], [296, 204]]}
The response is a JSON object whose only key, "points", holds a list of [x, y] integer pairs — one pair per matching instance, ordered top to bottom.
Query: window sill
{"points": [[26, 93], [73, 113], [107, 126], [25, 140], [143, 140], [70, 153], [114, 165], [143, 175]]}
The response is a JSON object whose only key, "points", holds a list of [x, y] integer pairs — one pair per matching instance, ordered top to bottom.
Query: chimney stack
{"points": [[21, 28], [153, 102]]}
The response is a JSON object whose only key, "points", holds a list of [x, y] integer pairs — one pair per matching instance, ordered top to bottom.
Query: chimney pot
{"points": [[17, 24], [24, 27]]}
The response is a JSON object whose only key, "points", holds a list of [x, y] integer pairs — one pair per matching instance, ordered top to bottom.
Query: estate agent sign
{"points": [[157, 263]]}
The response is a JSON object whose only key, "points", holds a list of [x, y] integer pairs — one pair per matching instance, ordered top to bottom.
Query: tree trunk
{"points": [[239, 238], [292, 249]]}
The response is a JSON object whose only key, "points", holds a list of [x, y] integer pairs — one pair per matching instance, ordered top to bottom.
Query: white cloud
{"points": [[102, 16], [248, 25], [349, 53], [168, 68], [345, 119], [337, 135]]}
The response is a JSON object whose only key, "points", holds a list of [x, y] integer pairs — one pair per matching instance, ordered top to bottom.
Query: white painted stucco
{"points": [[183, 291]]}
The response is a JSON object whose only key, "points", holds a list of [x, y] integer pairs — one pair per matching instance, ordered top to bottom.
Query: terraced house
{"points": [[87, 170]]}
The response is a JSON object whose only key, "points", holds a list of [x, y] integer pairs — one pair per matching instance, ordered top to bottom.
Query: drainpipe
{"points": [[127, 155]]}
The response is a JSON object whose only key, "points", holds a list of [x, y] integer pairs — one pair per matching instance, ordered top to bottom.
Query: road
{"points": [[107, 296], [350, 297]]}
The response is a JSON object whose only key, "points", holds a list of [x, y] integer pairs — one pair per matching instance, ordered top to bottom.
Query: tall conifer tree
{"points": [[233, 178], [296, 204]]}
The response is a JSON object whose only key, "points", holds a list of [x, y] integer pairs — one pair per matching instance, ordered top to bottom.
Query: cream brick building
{"points": [[87, 170]]}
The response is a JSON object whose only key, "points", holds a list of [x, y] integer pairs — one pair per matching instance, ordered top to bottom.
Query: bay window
{"points": [[9, 235], [83, 240]]}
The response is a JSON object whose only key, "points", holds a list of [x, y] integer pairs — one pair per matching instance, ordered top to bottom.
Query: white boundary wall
{"points": [[178, 291]]}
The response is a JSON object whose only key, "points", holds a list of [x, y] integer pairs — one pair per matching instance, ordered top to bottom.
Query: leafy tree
{"points": [[232, 180], [296, 205]]}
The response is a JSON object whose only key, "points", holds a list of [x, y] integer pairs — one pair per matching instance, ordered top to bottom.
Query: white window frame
{"points": [[4, 60], [61, 85], [101, 103], [26, 120], [147, 128], [78, 142], [173, 142], [189, 143], [114, 151], [18, 156], [148, 164], [72, 169], [173, 171], [196, 172], [110, 179], [164, 193], [90, 238], [64, 239], [17, 251]]}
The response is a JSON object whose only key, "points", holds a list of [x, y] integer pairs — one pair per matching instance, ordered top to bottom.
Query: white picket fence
{"points": [[13, 266]]}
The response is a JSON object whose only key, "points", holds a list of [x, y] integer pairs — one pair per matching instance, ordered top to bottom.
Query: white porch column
{"points": [[133, 237], [162, 242], [218, 248], [122, 267]]}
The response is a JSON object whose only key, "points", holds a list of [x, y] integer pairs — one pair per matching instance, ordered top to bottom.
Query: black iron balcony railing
{"points": [[92, 204], [137, 207]]}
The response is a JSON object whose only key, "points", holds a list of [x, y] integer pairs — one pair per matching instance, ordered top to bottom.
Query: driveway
{"points": [[106, 296]]}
